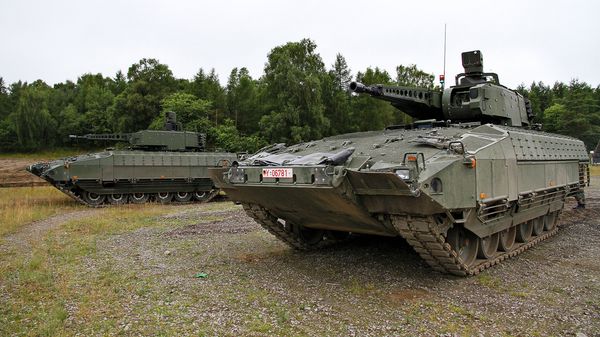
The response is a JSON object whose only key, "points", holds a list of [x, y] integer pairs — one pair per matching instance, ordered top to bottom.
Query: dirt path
{"points": [[13, 173], [29, 235]]}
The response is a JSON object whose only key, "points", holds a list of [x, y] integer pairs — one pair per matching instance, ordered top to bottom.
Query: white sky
{"points": [[521, 40]]}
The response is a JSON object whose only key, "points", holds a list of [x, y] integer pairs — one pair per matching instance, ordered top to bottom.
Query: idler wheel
{"points": [[201, 195], [183, 196], [163, 197], [117, 198], [139, 198], [93, 199], [550, 220], [538, 225], [524, 231], [337, 235], [308, 236], [507, 239], [464, 243], [488, 246]]}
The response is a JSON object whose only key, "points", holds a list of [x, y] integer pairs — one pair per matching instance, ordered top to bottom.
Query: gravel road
{"points": [[209, 269]]}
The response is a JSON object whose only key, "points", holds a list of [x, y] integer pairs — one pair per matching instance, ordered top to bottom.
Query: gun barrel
{"points": [[360, 88], [104, 136]]}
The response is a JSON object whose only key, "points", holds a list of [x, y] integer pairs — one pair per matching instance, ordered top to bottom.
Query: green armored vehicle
{"points": [[160, 165], [471, 183]]}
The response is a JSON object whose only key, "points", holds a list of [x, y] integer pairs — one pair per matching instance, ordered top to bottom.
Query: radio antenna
{"points": [[443, 77]]}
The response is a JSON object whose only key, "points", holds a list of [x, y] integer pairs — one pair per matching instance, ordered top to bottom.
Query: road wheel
{"points": [[202, 195], [182, 196], [163, 197], [117, 198], [139, 198], [93, 199], [550, 220], [538, 225], [524, 231], [507, 239], [464, 243], [488, 246]]}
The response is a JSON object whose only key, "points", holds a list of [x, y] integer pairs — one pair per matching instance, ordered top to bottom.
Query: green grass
{"points": [[22, 205], [40, 284]]}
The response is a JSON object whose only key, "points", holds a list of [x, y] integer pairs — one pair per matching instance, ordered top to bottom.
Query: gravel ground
{"points": [[368, 286]]}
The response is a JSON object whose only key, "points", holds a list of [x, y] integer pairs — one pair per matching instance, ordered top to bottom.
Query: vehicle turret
{"points": [[477, 96], [169, 139]]}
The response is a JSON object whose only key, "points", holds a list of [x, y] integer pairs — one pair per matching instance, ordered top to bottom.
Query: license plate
{"points": [[277, 173]]}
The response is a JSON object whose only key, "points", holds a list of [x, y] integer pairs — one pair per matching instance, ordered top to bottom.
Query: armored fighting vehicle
{"points": [[161, 165], [470, 183]]}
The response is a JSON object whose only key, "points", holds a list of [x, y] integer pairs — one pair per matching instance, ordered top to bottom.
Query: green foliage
{"points": [[293, 76], [411, 76], [207, 87], [336, 97], [297, 99], [243, 101], [136, 107], [572, 109], [192, 112], [369, 113], [34, 126], [227, 138]]}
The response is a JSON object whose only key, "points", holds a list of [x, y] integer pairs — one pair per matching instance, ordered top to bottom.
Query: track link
{"points": [[282, 231], [425, 236]]}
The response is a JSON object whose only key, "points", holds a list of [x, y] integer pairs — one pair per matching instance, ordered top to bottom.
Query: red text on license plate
{"points": [[277, 173]]}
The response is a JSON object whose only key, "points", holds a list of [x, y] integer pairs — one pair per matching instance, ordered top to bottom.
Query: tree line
{"points": [[298, 98]]}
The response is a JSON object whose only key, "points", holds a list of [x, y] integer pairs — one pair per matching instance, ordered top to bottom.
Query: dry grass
{"points": [[595, 170], [22, 205], [38, 287]]}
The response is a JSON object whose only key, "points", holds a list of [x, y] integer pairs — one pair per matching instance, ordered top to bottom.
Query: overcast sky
{"points": [[521, 40]]}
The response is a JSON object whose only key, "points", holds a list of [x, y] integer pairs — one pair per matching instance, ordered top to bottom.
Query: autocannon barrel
{"points": [[360, 88], [420, 103]]}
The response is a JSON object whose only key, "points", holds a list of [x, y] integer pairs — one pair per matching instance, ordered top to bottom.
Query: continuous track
{"points": [[80, 200], [285, 232], [424, 234]]}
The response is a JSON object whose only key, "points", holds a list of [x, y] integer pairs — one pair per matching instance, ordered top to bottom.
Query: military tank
{"points": [[161, 165], [470, 183]]}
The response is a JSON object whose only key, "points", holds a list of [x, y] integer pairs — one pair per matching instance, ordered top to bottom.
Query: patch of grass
{"points": [[595, 170], [22, 205], [116, 220], [488, 281], [38, 285], [360, 288], [520, 294], [461, 311], [258, 325]]}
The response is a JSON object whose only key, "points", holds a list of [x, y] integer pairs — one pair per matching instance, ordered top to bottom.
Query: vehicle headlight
{"points": [[403, 174], [237, 175]]}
